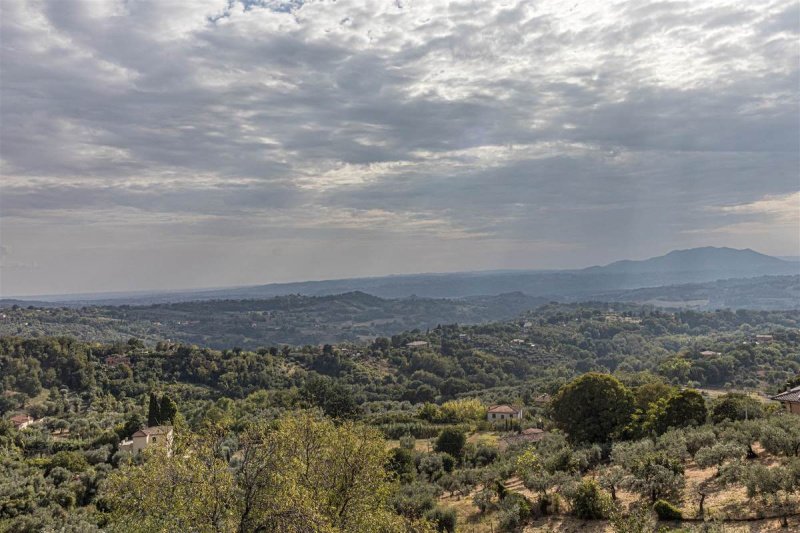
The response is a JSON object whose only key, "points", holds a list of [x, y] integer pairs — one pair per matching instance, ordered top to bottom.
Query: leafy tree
{"points": [[649, 393], [332, 396], [735, 406], [593, 408], [684, 408], [167, 410], [462, 410], [133, 424], [781, 435], [451, 441], [717, 454], [401, 463], [302, 473], [657, 476], [611, 478], [776, 484], [192, 489], [483, 500], [444, 520]]}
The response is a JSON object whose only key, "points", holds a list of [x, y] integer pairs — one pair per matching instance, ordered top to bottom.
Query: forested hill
{"points": [[290, 319], [296, 319]]}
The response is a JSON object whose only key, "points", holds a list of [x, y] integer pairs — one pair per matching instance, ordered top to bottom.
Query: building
{"points": [[766, 339], [709, 353], [790, 400], [497, 413], [21, 421], [146, 437]]}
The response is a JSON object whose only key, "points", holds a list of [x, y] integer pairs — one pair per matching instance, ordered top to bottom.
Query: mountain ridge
{"points": [[694, 265]]}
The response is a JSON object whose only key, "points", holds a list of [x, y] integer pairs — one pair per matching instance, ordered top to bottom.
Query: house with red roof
{"points": [[498, 413]]}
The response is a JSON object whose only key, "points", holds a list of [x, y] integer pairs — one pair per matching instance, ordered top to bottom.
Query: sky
{"points": [[170, 144]]}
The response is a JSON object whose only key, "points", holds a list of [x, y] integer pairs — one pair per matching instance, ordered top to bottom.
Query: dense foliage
{"points": [[386, 433]]}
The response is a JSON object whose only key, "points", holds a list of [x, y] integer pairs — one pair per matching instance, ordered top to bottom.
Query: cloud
{"points": [[589, 130]]}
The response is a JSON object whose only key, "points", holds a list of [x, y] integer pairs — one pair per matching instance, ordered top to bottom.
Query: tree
{"points": [[333, 397], [735, 406], [593, 408], [682, 409], [462, 410], [153, 411], [167, 411], [133, 424], [781, 435], [451, 441], [717, 454], [401, 463], [301, 473], [657, 476], [611, 477], [775, 484], [190, 490], [589, 502], [444, 520]]}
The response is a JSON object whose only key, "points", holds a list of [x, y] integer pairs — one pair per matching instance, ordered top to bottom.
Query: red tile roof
{"points": [[791, 395], [503, 409]]}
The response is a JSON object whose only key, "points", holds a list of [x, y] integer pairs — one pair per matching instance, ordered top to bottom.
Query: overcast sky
{"points": [[174, 144]]}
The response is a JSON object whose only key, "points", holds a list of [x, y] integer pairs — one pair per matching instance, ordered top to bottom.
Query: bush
{"points": [[414, 499], [590, 502], [515, 510], [666, 511], [444, 520]]}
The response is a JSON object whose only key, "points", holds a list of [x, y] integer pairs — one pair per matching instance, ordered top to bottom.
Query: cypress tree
{"points": [[168, 410], [153, 411]]}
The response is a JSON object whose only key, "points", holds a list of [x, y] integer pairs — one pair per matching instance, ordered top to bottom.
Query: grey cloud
{"points": [[211, 117]]}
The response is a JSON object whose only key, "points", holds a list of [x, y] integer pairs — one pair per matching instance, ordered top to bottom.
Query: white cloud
{"points": [[595, 126]]}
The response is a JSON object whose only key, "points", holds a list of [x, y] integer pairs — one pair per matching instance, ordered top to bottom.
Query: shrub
{"points": [[413, 500], [590, 502], [515, 510], [666, 511], [444, 520]]}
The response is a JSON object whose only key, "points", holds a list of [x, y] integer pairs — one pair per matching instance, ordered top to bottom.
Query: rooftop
{"points": [[791, 395], [503, 409]]}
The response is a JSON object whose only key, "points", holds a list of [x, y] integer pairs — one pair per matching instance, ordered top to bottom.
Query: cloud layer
{"points": [[172, 144]]}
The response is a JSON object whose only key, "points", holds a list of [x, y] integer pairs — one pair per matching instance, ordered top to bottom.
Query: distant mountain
{"points": [[720, 262], [698, 265]]}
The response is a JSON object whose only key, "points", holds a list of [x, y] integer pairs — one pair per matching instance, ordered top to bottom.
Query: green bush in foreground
{"points": [[590, 502], [666, 511]]}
